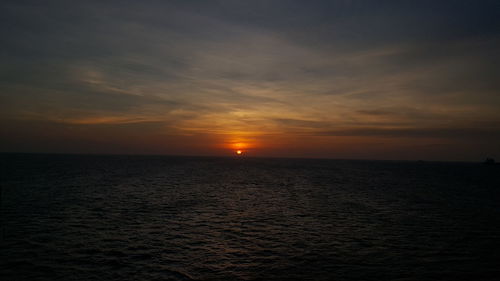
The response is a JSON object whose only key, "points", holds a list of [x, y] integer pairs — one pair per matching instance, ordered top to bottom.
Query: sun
{"points": [[239, 152]]}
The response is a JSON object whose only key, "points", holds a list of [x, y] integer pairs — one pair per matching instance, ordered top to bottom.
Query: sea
{"points": [[110, 217]]}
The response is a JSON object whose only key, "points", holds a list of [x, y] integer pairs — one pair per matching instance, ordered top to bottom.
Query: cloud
{"points": [[461, 133]]}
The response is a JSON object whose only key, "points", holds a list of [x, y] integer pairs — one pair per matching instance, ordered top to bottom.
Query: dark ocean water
{"points": [[67, 217]]}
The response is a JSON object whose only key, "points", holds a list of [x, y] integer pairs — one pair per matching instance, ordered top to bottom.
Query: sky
{"points": [[409, 80]]}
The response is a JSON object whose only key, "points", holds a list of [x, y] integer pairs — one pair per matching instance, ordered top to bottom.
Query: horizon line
{"points": [[236, 157]]}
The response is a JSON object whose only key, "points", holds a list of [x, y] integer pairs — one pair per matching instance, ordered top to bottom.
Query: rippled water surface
{"points": [[178, 218]]}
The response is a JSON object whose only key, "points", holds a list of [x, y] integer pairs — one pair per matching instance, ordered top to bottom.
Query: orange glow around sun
{"points": [[238, 147]]}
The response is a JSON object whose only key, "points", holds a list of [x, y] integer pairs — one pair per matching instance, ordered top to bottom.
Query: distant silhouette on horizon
{"points": [[489, 161]]}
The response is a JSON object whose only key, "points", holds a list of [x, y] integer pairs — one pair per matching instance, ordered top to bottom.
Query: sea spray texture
{"points": [[70, 217]]}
